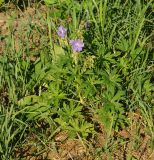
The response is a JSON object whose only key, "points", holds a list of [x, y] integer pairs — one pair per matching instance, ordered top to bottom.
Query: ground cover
{"points": [[77, 80]]}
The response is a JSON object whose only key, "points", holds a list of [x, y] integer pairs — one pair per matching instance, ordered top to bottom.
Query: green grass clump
{"points": [[43, 81]]}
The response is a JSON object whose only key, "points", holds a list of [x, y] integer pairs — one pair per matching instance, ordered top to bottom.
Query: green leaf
{"points": [[1, 2], [50, 2], [123, 45], [58, 53], [119, 95], [28, 100], [37, 111]]}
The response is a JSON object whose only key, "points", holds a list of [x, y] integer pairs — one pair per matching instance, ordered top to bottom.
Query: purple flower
{"points": [[61, 31], [77, 45]]}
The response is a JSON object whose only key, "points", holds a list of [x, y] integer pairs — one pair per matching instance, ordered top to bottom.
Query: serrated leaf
{"points": [[119, 95], [28, 100]]}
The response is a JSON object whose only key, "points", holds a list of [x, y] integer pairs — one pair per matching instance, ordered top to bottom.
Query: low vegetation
{"points": [[77, 80]]}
